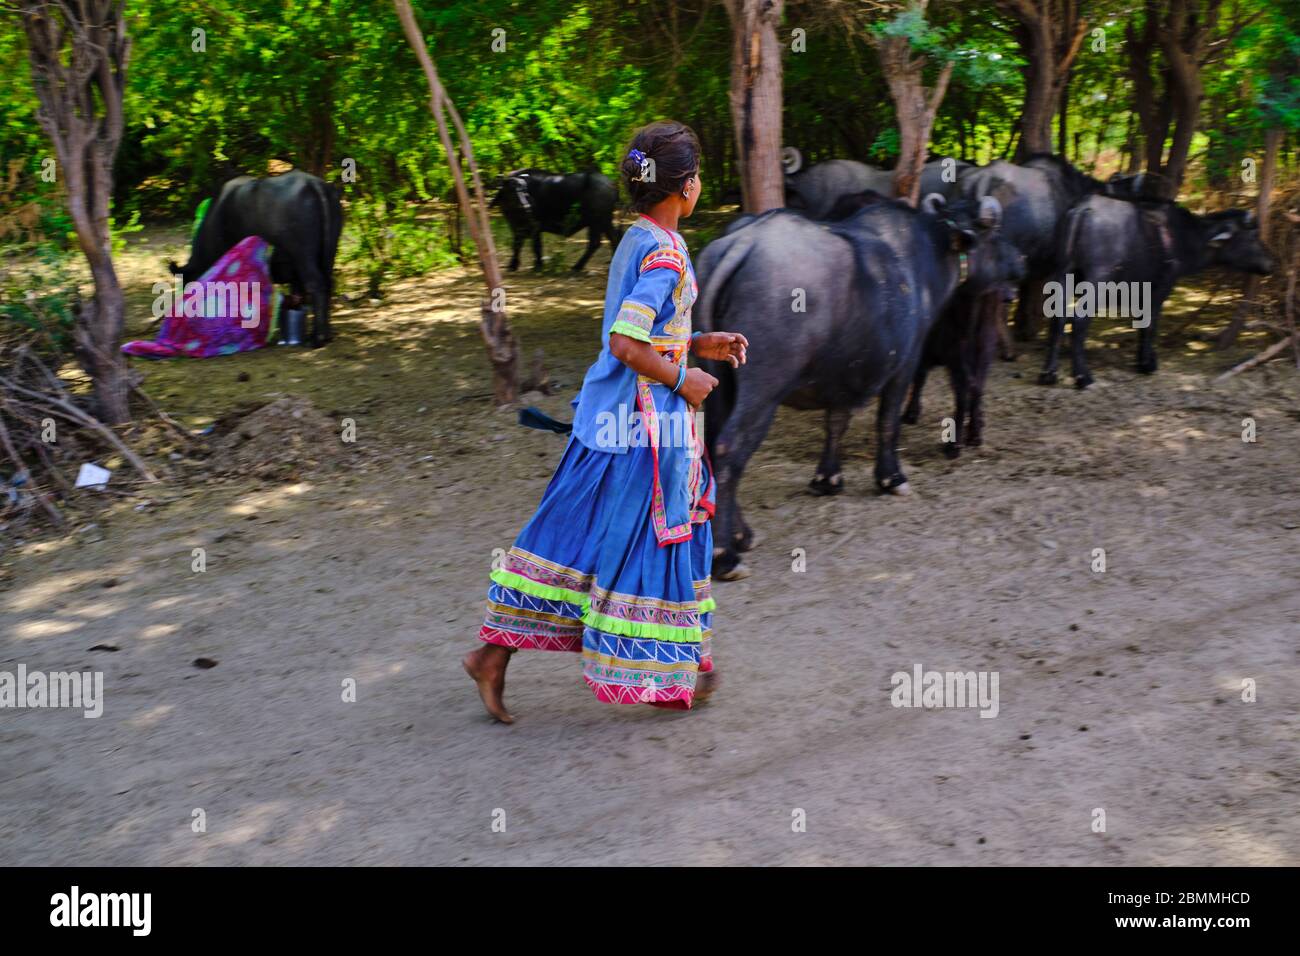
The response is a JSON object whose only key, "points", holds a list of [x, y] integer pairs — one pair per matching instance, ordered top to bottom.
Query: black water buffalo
{"points": [[815, 190], [1035, 197], [535, 201], [844, 207], [300, 215], [1127, 257], [835, 314], [964, 341]]}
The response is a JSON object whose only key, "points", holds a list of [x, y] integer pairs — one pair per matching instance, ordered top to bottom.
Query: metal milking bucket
{"points": [[295, 321]]}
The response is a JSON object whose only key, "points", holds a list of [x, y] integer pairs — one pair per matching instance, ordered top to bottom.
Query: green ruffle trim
{"points": [[623, 327], [548, 591], [603, 622], [658, 632]]}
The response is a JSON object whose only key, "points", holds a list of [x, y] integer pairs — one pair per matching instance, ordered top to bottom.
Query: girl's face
{"points": [[692, 190]]}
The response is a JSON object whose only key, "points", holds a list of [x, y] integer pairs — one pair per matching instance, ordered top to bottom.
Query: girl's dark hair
{"points": [[674, 152]]}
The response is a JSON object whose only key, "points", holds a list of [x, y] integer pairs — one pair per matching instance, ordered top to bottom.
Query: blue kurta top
{"points": [[648, 297]]}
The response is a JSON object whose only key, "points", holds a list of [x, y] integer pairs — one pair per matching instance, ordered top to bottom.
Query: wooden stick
{"points": [[1259, 359]]}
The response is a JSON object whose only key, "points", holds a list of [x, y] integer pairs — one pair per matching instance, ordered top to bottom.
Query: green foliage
{"points": [[329, 85], [392, 241]]}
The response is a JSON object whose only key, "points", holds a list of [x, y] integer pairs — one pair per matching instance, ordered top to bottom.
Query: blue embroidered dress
{"points": [[615, 562]]}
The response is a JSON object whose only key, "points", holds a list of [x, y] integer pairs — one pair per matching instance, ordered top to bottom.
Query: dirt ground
{"points": [[1119, 691]]}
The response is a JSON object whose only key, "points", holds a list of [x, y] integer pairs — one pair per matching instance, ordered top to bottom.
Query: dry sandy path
{"points": [[1119, 691]]}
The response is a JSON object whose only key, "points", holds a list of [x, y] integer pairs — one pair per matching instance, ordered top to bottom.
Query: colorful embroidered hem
{"points": [[588, 575]]}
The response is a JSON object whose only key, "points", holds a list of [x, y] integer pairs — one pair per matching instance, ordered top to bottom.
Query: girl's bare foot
{"points": [[487, 667]]}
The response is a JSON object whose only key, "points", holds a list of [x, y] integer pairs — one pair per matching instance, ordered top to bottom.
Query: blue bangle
{"points": [[681, 377]]}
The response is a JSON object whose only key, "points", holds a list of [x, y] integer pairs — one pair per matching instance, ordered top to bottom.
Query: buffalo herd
{"points": [[846, 295]]}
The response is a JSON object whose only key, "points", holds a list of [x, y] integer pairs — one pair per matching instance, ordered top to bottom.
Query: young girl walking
{"points": [[615, 562]]}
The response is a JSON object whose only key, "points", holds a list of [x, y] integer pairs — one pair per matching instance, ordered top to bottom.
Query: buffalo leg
{"points": [[517, 240], [593, 243], [537, 250], [316, 286], [1029, 310], [1055, 329], [987, 339], [1078, 355], [1146, 358], [959, 376], [717, 409], [912, 414], [738, 439], [889, 474], [829, 480]]}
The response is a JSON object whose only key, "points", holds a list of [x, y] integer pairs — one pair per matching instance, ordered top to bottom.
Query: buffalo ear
{"points": [[932, 203], [990, 216], [173, 267]]}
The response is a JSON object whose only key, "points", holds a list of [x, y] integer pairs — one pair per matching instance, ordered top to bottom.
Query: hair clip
{"points": [[643, 161]]}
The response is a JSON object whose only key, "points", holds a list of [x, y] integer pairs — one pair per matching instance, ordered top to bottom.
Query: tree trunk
{"points": [[1050, 34], [1183, 42], [78, 55], [756, 103], [915, 107], [1063, 121], [503, 354]]}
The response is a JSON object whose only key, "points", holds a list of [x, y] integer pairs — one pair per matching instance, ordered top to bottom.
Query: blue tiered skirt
{"points": [[588, 574]]}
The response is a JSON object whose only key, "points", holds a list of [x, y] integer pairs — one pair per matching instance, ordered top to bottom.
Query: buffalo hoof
{"points": [[1008, 356], [1146, 367], [1047, 378], [1082, 381], [910, 416], [974, 441], [951, 449], [833, 485], [894, 485], [744, 540], [728, 567]]}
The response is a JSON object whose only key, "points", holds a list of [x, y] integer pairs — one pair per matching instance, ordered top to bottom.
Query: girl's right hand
{"points": [[697, 386]]}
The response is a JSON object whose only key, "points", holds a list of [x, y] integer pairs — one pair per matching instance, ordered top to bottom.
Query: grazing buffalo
{"points": [[814, 191], [535, 201], [300, 215], [1125, 257], [835, 314]]}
